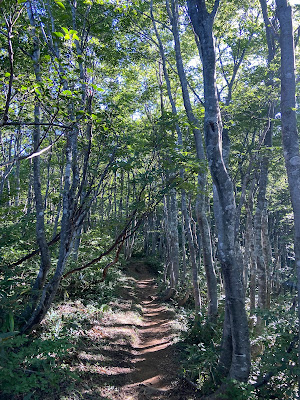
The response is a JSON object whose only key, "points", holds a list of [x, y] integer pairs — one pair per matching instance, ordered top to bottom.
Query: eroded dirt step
{"points": [[130, 354], [154, 372]]}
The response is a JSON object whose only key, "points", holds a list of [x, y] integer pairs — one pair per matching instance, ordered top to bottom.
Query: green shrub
{"points": [[154, 263], [201, 347], [278, 353], [30, 368], [237, 391]]}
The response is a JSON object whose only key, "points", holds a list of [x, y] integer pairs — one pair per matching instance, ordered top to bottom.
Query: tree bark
{"points": [[290, 137], [263, 179], [39, 204], [201, 207], [171, 231], [267, 252], [193, 258], [34, 314], [239, 363]]}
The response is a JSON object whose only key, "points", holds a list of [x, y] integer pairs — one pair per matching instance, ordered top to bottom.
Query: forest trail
{"points": [[131, 354], [155, 367]]}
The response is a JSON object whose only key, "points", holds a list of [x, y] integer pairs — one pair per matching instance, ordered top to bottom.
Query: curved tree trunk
{"points": [[201, 207], [186, 218], [232, 272], [41, 303]]}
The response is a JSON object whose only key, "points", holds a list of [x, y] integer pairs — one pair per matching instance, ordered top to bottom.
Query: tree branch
{"points": [[215, 9], [25, 123], [33, 253]]}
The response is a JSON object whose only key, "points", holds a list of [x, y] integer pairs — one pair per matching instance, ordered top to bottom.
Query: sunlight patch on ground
{"points": [[100, 370]]}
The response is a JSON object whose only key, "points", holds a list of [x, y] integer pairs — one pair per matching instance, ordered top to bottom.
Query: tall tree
{"points": [[290, 138], [201, 205], [235, 352]]}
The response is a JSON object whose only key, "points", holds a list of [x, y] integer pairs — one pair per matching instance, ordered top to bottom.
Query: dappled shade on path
{"points": [[130, 354]]}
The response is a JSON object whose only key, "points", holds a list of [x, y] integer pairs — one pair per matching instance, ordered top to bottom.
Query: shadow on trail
{"points": [[133, 357]]}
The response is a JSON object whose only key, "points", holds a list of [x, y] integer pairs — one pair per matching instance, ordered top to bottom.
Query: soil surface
{"points": [[130, 353]]}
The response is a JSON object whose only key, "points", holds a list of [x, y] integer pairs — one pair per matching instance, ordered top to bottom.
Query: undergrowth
{"points": [[200, 347], [274, 355], [39, 365], [32, 367]]}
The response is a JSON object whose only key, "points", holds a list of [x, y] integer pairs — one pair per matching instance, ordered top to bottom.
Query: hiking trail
{"points": [[130, 354]]}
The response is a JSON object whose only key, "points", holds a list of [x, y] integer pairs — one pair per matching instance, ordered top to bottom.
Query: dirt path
{"points": [[130, 354], [155, 368]]}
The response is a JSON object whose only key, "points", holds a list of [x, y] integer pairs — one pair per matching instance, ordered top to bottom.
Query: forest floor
{"points": [[131, 352]]}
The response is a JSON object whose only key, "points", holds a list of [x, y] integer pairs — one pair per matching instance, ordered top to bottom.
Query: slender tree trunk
{"points": [[290, 137], [263, 179], [202, 181], [30, 189], [39, 204], [59, 204], [68, 226], [171, 231], [154, 234], [174, 235], [146, 236], [183, 249], [267, 252], [259, 256], [193, 259], [252, 259], [232, 272]]}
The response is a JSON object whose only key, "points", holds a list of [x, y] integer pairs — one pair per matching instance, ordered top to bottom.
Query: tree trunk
{"points": [[290, 137], [39, 204], [201, 207], [188, 230], [174, 235], [183, 249], [267, 252], [259, 256], [252, 260], [262, 265], [170, 272], [232, 272], [35, 313]]}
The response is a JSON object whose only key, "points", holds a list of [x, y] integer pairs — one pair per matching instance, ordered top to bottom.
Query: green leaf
{"points": [[60, 4], [65, 29], [58, 34], [7, 74], [97, 88], [37, 91], [67, 93], [104, 308], [11, 322], [7, 335]]}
